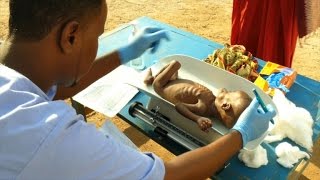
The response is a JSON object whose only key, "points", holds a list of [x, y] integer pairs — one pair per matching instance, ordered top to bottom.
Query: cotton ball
{"points": [[292, 122], [288, 155], [254, 158]]}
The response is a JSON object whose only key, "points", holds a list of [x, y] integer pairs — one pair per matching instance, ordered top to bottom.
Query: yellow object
{"points": [[235, 59], [268, 84]]}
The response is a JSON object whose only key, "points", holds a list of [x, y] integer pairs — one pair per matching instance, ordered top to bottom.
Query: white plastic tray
{"points": [[205, 74]]}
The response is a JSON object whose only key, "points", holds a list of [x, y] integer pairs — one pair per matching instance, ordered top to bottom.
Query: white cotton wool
{"points": [[292, 122], [288, 155], [254, 158]]}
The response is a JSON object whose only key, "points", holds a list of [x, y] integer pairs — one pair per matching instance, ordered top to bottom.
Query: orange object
{"points": [[283, 82]]}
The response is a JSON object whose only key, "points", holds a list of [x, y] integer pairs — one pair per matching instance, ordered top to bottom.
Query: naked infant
{"points": [[196, 102]]}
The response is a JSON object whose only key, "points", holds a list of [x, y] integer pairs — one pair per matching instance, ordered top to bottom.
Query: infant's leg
{"points": [[165, 75], [148, 80]]}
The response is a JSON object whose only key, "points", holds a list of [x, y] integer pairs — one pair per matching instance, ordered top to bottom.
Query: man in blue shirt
{"points": [[50, 52]]}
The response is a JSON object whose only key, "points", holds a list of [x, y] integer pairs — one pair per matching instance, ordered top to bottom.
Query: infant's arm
{"points": [[187, 110]]}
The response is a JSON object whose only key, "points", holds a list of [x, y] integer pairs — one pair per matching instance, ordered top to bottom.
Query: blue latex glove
{"points": [[145, 38], [253, 122]]}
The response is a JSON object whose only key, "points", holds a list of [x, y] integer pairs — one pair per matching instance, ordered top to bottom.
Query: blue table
{"points": [[304, 93]]}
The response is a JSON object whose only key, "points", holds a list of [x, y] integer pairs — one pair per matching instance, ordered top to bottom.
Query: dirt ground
{"points": [[207, 18]]}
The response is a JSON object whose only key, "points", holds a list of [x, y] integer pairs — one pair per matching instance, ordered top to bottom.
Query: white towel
{"points": [[292, 122], [288, 155]]}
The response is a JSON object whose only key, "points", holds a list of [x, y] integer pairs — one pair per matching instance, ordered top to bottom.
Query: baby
{"points": [[196, 102]]}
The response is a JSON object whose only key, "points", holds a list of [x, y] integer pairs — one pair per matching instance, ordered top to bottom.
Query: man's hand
{"points": [[148, 37], [253, 122]]}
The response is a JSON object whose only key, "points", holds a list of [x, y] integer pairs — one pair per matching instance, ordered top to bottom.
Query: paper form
{"points": [[109, 94], [108, 99]]}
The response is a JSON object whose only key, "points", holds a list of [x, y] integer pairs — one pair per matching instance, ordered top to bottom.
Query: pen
{"points": [[260, 100], [264, 107]]}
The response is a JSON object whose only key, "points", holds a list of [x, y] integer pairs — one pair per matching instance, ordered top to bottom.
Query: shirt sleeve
{"points": [[79, 151]]}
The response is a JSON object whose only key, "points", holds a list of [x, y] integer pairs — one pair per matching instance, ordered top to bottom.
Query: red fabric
{"points": [[267, 28]]}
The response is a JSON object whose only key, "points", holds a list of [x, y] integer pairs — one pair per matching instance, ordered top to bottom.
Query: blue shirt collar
{"points": [[27, 83]]}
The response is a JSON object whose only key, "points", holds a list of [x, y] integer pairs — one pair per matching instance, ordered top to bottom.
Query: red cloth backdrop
{"points": [[267, 28]]}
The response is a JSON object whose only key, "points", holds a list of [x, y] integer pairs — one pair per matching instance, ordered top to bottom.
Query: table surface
{"points": [[304, 93]]}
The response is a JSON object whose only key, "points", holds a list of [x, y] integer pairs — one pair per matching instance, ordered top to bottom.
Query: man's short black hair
{"points": [[34, 19]]}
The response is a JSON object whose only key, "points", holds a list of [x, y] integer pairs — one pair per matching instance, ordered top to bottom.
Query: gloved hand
{"points": [[145, 38], [253, 122]]}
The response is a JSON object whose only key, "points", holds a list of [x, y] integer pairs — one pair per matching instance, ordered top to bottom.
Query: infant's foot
{"points": [[148, 80], [204, 123]]}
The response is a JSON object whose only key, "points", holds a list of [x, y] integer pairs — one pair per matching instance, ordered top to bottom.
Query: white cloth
{"points": [[292, 122], [45, 139], [288, 155], [254, 158]]}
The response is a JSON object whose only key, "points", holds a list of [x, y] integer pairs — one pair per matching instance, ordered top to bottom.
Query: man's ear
{"points": [[69, 36], [226, 106]]}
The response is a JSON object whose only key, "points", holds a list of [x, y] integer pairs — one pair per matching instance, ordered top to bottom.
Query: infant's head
{"points": [[230, 105]]}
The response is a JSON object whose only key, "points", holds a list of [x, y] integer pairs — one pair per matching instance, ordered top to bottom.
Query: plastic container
{"points": [[137, 63]]}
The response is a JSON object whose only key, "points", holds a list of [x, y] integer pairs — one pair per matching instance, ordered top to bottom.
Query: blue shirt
{"points": [[45, 139]]}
